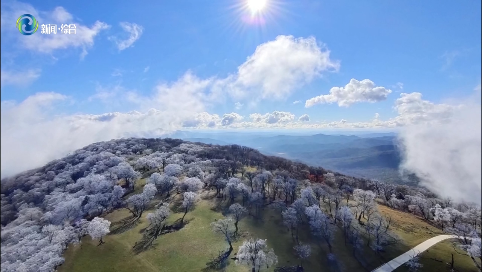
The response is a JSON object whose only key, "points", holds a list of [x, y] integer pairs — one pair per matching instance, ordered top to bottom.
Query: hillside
{"points": [[372, 156], [152, 205]]}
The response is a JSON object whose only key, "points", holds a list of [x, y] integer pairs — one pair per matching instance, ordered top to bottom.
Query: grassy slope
{"points": [[413, 230], [190, 248]]}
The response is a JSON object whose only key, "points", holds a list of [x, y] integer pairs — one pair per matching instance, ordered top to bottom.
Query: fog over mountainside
{"points": [[447, 156]]}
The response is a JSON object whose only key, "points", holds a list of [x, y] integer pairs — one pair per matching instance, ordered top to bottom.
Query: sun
{"points": [[256, 6]]}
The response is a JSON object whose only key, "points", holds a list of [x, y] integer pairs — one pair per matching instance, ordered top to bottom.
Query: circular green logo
{"points": [[27, 24]]}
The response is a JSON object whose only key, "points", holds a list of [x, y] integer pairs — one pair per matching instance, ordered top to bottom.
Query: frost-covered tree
{"points": [[147, 163], [173, 170], [125, 171], [195, 171], [250, 176], [261, 181], [164, 183], [219, 184], [191, 185], [232, 188], [289, 189], [149, 190], [244, 190], [318, 192], [347, 192], [117, 194], [308, 195], [336, 198], [365, 201], [188, 203], [396, 203], [137, 204], [300, 206], [421, 206], [238, 212], [345, 216], [441, 216], [455, 216], [473, 216], [157, 219], [291, 220], [320, 224], [98, 228], [226, 228], [378, 230], [50, 231], [464, 231], [474, 251], [302, 252], [255, 254], [414, 263]]}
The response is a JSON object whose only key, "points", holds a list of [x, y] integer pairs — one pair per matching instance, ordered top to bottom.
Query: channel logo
{"points": [[27, 24]]}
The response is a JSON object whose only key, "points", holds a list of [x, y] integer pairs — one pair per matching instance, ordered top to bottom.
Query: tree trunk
{"points": [[182, 219]]}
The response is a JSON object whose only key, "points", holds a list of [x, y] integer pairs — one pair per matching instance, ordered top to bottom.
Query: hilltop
{"points": [[168, 205]]}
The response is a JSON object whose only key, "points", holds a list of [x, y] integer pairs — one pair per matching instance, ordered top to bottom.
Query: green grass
{"points": [[413, 230], [191, 247], [186, 250]]}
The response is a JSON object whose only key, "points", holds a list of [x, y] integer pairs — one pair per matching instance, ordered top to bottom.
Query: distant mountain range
{"points": [[372, 155]]}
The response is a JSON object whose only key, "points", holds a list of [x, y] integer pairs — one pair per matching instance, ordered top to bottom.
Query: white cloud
{"points": [[59, 14], [133, 30], [44, 43], [279, 67], [146, 69], [19, 78], [400, 85], [354, 92], [296, 102], [238, 106], [412, 109], [377, 116], [230, 118], [272, 118], [304, 118], [203, 119], [29, 126], [447, 155]]}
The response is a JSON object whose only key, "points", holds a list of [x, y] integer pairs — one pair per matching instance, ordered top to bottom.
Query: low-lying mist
{"points": [[447, 156]]}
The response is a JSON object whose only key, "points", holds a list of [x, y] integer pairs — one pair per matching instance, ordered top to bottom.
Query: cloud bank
{"points": [[446, 155]]}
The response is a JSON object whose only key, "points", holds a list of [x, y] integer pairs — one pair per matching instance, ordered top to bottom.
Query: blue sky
{"points": [[428, 46], [149, 69]]}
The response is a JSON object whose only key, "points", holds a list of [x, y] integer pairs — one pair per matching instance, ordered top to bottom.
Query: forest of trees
{"points": [[46, 209]]}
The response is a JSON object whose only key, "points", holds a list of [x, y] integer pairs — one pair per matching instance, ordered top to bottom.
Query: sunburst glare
{"points": [[256, 6]]}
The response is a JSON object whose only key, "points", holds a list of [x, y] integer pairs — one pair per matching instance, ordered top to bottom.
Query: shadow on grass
{"points": [[124, 225], [150, 236], [219, 262]]}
